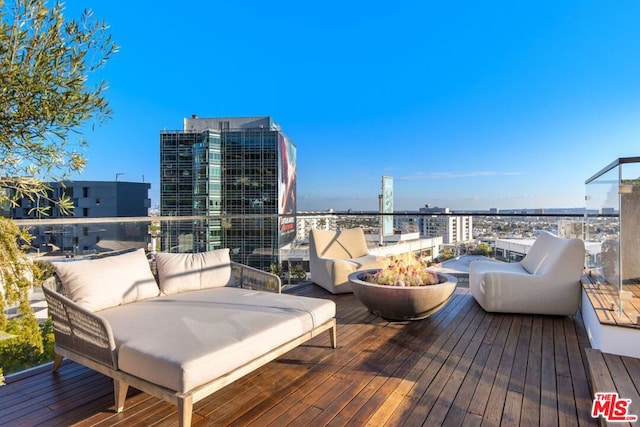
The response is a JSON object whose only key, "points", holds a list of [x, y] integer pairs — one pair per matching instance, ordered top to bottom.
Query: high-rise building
{"points": [[242, 168], [453, 228]]}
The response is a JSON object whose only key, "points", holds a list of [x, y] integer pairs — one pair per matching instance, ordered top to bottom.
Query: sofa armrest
{"points": [[253, 278], [81, 331]]}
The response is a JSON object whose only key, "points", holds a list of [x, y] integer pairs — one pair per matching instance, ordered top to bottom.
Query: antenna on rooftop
{"points": [[118, 175]]}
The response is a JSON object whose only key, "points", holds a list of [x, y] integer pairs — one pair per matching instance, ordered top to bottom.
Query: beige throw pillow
{"points": [[190, 272], [101, 283]]}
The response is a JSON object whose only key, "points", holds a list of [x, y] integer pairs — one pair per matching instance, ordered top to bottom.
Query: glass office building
{"points": [[243, 168]]}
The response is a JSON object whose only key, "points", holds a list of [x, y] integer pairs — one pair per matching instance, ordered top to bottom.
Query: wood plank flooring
{"points": [[604, 298], [461, 366], [613, 373]]}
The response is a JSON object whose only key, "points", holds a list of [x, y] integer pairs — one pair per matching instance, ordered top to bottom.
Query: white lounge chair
{"points": [[333, 255], [546, 281]]}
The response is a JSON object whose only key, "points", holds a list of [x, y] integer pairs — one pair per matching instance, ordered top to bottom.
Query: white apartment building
{"points": [[319, 221], [453, 228]]}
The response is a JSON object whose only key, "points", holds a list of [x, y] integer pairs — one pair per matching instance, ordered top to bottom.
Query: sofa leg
{"points": [[333, 333], [57, 361], [120, 391], [185, 410]]}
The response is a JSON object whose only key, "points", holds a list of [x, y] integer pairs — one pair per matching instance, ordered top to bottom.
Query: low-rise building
{"points": [[91, 199], [454, 229]]}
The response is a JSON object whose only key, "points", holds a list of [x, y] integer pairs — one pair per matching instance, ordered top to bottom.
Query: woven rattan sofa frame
{"points": [[86, 338]]}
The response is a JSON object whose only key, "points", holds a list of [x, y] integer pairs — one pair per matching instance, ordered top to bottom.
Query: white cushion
{"points": [[191, 272], [96, 284], [182, 341]]}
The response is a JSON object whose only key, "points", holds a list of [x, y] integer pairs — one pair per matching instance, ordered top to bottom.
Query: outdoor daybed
{"points": [[199, 327]]}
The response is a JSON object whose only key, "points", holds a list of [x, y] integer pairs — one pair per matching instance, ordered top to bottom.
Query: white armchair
{"points": [[333, 255], [546, 281]]}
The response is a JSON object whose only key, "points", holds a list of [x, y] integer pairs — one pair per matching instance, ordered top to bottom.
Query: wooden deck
{"points": [[605, 301], [462, 366], [613, 373]]}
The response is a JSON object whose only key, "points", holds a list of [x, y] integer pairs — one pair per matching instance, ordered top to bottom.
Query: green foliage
{"points": [[45, 96], [45, 99], [482, 249], [445, 255], [275, 268], [43, 270], [16, 271], [298, 271], [17, 275], [46, 330], [32, 343], [22, 352]]}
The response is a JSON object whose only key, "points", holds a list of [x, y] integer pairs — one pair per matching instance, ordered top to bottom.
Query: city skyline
{"points": [[467, 106]]}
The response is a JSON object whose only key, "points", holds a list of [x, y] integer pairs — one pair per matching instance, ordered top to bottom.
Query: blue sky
{"points": [[467, 104]]}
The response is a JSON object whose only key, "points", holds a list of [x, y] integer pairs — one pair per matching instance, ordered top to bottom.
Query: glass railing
{"points": [[613, 220], [275, 244], [281, 244]]}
